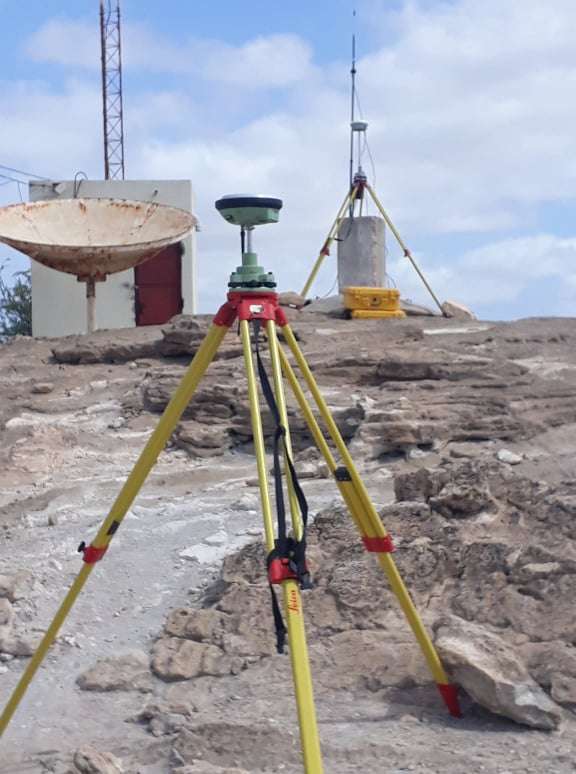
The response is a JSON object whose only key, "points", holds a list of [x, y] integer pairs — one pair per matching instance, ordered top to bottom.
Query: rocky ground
{"points": [[464, 434]]}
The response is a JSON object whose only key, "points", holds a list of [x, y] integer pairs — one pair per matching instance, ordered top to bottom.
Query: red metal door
{"points": [[159, 287]]}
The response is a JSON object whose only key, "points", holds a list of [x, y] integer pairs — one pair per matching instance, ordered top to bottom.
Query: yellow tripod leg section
{"points": [[329, 239], [406, 251], [281, 403], [257, 435], [348, 493], [349, 496], [366, 517], [95, 551], [299, 661], [309, 738]]}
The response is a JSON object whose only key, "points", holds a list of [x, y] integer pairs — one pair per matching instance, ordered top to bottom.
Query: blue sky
{"points": [[471, 115]]}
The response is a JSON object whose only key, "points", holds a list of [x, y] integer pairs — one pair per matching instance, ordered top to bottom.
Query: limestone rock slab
{"points": [[177, 659], [490, 671], [127, 672], [88, 760]]}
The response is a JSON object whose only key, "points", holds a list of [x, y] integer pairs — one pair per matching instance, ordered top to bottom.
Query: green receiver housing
{"points": [[248, 211]]}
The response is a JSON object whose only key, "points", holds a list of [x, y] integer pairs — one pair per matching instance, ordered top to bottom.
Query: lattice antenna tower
{"points": [[112, 90]]}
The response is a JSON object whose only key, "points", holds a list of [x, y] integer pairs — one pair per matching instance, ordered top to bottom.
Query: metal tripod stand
{"points": [[356, 193], [254, 307]]}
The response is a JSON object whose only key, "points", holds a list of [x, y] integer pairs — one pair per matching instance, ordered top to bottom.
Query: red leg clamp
{"points": [[379, 545], [91, 554], [279, 570]]}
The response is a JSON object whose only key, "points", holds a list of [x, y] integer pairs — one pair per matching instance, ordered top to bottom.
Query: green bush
{"points": [[16, 305]]}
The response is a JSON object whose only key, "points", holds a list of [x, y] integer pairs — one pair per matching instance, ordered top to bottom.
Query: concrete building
{"points": [[147, 295]]}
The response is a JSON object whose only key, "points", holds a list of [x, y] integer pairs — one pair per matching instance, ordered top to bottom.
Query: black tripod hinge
{"points": [[342, 474]]}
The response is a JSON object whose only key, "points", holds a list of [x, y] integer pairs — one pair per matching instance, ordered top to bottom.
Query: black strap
{"points": [[284, 544], [285, 547], [279, 626]]}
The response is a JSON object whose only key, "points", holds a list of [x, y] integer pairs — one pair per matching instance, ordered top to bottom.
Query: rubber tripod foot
{"points": [[449, 694]]}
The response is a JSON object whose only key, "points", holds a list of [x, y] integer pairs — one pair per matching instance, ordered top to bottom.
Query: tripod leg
{"points": [[326, 246], [407, 252], [281, 402], [348, 494], [364, 514], [95, 551], [309, 738]]}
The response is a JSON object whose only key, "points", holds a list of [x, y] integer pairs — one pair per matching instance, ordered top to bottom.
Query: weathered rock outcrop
{"points": [[457, 311], [183, 335], [118, 346], [218, 418], [482, 535], [458, 537], [174, 658], [128, 672], [491, 672], [89, 760]]}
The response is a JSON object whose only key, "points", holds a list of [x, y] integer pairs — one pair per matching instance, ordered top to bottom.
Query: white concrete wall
{"points": [[361, 252], [58, 299]]}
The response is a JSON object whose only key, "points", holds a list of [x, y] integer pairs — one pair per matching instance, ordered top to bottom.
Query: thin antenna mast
{"points": [[353, 103], [113, 113]]}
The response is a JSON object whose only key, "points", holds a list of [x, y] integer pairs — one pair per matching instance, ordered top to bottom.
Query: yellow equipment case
{"points": [[373, 303]]}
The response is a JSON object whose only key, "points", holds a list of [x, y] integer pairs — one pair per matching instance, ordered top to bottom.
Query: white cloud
{"points": [[68, 42], [275, 60], [272, 61], [474, 106], [47, 130], [529, 258], [501, 272]]}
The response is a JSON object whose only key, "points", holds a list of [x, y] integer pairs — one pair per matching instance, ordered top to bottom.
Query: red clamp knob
{"points": [[379, 545], [91, 554], [279, 570]]}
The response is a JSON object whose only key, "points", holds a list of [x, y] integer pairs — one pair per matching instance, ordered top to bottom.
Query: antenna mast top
{"points": [[112, 90], [352, 100], [357, 128]]}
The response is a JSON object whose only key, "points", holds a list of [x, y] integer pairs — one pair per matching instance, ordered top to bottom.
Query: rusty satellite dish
{"points": [[92, 238]]}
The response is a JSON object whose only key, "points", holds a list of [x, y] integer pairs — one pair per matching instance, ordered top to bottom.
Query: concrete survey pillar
{"points": [[361, 248]]}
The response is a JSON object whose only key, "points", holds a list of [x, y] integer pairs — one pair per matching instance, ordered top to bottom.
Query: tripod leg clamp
{"points": [[379, 545], [91, 554], [279, 570]]}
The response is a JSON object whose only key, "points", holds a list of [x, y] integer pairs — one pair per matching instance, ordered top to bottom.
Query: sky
{"points": [[472, 129]]}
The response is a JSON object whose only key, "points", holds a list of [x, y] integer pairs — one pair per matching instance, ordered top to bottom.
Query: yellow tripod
{"points": [[356, 193], [285, 567]]}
